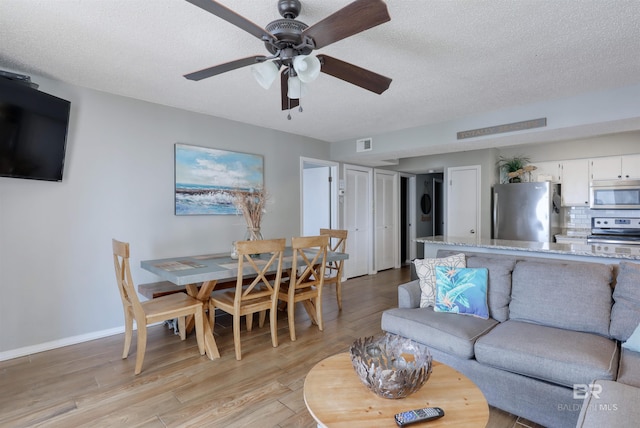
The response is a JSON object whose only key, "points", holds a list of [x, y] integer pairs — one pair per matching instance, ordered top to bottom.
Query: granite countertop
{"points": [[571, 233], [630, 252]]}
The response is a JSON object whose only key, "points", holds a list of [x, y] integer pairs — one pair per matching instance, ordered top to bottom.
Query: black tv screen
{"points": [[33, 132]]}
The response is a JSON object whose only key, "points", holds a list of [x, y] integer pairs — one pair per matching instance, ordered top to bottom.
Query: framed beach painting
{"points": [[205, 178]]}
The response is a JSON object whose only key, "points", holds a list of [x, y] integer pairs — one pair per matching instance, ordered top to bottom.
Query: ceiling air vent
{"points": [[364, 145]]}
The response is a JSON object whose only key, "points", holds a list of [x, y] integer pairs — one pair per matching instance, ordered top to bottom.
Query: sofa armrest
{"points": [[409, 294], [629, 369], [612, 404]]}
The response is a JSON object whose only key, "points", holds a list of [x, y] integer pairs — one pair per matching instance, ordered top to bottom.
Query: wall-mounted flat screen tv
{"points": [[33, 132]]}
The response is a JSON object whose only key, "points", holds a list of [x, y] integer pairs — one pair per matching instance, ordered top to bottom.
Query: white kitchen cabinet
{"points": [[615, 167], [631, 167], [546, 171], [575, 183]]}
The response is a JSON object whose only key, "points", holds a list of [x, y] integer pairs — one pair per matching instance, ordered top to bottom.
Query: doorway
{"points": [[318, 196], [429, 198], [438, 206], [408, 246]]}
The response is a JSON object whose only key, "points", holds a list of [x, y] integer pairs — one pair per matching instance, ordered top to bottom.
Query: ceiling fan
{"points": [[290, 43]]}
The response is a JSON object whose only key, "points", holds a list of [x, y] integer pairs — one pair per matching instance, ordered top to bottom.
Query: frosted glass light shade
{"points": [[307, 67], [264, 73], [296, 89]]}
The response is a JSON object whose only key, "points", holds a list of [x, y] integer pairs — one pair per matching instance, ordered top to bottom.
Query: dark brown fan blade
{"points": [[233, 18], [351, 19], [222, 68], [353, 74], [287, 103]]}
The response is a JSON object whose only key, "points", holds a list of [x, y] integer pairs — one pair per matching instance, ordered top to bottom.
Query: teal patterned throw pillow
{"points": [[462, 291]]}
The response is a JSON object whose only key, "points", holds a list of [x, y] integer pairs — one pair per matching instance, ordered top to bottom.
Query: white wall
{"points": [[579, 117], [623, 143], [58, 284]]}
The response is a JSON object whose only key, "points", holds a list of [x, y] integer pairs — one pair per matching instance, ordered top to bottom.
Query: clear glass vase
{"points": [[253, 234]]}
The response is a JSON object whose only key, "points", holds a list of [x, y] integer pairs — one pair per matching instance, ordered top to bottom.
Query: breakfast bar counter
{"points": [[604, 253]]}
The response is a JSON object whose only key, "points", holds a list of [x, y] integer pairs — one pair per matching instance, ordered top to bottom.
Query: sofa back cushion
{"points": [[499, 288], [571, 295], [625, 315]]}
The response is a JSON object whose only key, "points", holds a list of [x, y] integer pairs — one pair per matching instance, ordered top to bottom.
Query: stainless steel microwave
{"points": [[615, 194]]}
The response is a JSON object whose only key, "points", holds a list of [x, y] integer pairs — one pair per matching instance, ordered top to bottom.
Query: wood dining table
{"points": [[209, 269]]}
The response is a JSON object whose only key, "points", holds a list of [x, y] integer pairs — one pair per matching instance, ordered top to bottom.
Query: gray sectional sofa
{"points": [[555, 327]]}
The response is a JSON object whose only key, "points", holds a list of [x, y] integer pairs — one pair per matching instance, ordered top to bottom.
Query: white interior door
{"points": [[463, 202], [385, 217], [357, 220]]}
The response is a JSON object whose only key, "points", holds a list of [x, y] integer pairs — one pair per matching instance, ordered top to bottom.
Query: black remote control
{"points": [[419, 415]]}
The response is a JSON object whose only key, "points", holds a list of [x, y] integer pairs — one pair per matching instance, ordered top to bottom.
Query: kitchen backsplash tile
{"points": [[580, 217], [577, 218]]}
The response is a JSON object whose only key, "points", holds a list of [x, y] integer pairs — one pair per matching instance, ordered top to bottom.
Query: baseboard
{"points": [[47, 346]]}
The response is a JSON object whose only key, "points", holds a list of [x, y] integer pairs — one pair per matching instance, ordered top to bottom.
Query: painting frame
{"points": [[205, 179]]}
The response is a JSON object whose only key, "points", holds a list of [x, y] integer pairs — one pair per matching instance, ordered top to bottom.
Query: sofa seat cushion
{"points": [[572, 295], [446, 332], [562, 357]]}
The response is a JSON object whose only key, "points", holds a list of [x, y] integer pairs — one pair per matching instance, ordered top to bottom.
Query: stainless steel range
{"points": [[615, 231]]}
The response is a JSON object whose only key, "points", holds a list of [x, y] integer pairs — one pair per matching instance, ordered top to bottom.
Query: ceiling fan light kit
{"points": [[290, 43], [307, 67], [265, 73], [297, 88]]}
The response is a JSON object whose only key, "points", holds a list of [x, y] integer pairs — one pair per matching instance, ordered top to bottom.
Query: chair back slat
{"points": [[338, 240], [337, 243], [309, 259], [261, 285]]}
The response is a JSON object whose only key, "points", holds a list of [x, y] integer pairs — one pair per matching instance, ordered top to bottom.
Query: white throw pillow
{"points": [[426, 271], [633, 342]]}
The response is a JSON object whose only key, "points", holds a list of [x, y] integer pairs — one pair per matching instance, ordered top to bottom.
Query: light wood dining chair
{"points": [[333, 270], [306, 279], [259, 295], [168, 307]]}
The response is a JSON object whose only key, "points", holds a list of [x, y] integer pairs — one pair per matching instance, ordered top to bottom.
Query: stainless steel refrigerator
{"points": [[526, 211]]}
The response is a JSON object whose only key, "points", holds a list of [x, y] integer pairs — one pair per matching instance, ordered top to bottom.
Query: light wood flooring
{"points": [[89, 385]]}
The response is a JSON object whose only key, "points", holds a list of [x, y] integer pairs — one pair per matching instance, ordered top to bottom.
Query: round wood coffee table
{"points": [[336, 397]]}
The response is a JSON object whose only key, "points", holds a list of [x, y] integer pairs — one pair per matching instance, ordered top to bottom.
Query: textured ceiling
{"points": [[448, 59]]}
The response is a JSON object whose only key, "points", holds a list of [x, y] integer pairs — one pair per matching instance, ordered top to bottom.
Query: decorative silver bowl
{"points": [[391, 366]]}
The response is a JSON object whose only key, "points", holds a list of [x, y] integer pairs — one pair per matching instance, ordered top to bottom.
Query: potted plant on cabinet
{"points": [[513, 167]]}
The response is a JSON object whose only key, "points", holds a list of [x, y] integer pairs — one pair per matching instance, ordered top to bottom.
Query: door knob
{"points": [[472, 231]]}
